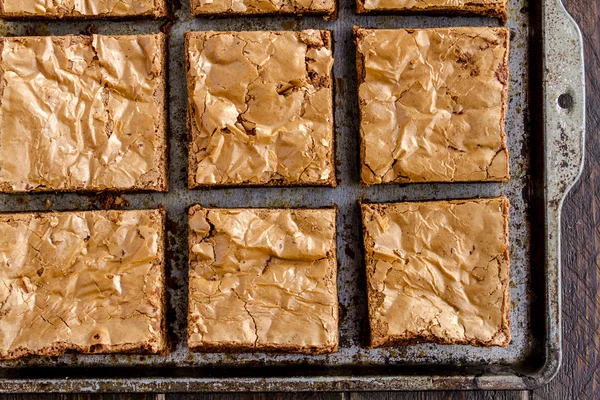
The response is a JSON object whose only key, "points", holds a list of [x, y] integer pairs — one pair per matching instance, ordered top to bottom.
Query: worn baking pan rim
{"points": [[563, 135]]}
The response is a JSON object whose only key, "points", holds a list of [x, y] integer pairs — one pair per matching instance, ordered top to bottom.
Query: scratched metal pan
{"points": [[545, 125]]}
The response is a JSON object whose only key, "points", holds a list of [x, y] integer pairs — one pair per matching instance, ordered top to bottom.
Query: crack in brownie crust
{"points": [[265, 7], [491, 8], [82, 9], [432, 104], [260, 108], [83, 113], [438, 272], [262, 280], [91, 282]]}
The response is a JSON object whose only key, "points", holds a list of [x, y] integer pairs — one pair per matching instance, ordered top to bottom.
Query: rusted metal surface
{"points": [[532, 357]]}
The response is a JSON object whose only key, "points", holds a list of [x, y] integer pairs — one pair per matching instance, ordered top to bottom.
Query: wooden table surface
{"points": [[579, 377]]}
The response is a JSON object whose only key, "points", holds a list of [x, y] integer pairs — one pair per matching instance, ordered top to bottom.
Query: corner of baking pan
{"points": [[564, 133]]}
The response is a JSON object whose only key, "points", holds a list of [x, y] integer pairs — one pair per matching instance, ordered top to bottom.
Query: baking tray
{"points": [[545, 126]]}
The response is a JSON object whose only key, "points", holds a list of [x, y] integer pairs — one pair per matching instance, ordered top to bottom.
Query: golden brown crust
{"points": [[228, 8], [491, 8], [68, 10], [424, 121], [96, 122], [280, 132], [438, 272], [262, 280], [90, 282]]}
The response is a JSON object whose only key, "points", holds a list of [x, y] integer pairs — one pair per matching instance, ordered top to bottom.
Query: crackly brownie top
{"points": [[415, 5], [262, 6], [74, 8], [432, 104], [260, 108], [81, 112], [438, 271], [263, 278], [75, 280]]}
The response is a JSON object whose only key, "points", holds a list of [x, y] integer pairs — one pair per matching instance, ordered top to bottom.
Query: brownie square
{"points": [[227, 8], [491, 8], [69, 9], [432, 104], [260, 108], [83, 113], [438, 272], [262, 280], [84, 281]]}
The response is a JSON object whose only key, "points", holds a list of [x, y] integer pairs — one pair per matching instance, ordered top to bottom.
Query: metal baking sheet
{"points": [[545, 157]]}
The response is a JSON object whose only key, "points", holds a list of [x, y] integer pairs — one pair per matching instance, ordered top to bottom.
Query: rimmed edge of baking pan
{"points": [[557, 94]]}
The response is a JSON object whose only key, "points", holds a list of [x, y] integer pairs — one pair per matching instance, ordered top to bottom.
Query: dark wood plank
{"points": [[579, 377], [488, 395], [125, 396], [176, 396], [259, 396]]}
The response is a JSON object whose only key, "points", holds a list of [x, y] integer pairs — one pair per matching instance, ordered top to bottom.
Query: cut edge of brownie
{"points": [[160, 10], [499, 11], [328, 14], [358, 35], [503, 77], [190, 114], [192, 129], [163, 159], [145, 183], [377, 329], [159, 345], [164, 345], [235, 347]]}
